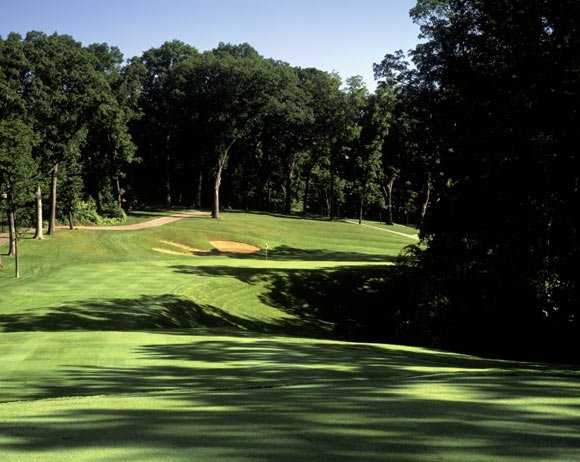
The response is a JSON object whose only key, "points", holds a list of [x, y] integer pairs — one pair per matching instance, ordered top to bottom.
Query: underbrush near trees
{"points": [[86, 213]]}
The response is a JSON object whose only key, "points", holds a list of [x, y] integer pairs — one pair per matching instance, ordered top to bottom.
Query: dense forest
{"points": [[472, 137]]}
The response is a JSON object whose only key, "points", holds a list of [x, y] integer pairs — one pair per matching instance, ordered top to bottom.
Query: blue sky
{"points": [[342, 35]]}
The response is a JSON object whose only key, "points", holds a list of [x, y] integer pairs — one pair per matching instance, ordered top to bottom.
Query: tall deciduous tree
{"points": [[62, 87], [228, 87], [375, 118], [158, 128], [18, 173]]}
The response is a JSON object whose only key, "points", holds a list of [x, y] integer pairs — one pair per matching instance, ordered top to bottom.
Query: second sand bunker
{"points": [[234, 247]]}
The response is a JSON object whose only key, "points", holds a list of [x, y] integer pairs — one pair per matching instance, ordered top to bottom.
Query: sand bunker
{"points": [[180, 246], [219, 247], [234, 247], [184, 250], [171, 252]]}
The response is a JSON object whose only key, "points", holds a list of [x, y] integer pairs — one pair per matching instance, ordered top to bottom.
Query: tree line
{"points": [[491, 99], [179, 127]]}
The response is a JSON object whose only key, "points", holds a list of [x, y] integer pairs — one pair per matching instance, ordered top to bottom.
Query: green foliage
{"points": [[490, 110], [18, 168], [113, 212], [86, 213]]}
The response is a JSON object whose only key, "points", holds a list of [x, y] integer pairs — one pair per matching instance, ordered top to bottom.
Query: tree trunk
{"points": [[222, 159], [167, 171], [167, 181], [390, 185], [199, 188], [288, 188], [428, 188], [306, 191], [119, 192], [388, 193], [247, 195], [288, 196], [99, 202], [331, 202], [328, 203], [215, 209], [360, 209], [52, 221], [71, 223], [11, 232], [39, 232], [16, 259]]}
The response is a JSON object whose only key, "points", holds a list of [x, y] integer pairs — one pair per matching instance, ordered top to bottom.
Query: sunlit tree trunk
{"points": [[221, 162], [53, 188], [306, 191], [119, 192], [388, 193], [425, 205], [215, 209], [39, 231], [11, 232], [16, 258]]}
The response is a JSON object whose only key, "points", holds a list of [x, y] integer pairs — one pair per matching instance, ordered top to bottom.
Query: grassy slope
{"points": [[118, 276], [120, 378]]}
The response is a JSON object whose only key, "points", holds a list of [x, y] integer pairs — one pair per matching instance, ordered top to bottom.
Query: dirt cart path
{"points": [[150, 223], [135, 226], [415, 237]]}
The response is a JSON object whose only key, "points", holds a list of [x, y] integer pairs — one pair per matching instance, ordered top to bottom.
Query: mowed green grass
{"points": [[88, 279], [112, 351]]}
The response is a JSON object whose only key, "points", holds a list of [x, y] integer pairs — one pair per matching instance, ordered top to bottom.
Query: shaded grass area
{"points": [[251, 294], [316, 301], [235, 397]]}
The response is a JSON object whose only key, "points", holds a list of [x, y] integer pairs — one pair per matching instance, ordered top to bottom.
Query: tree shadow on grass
{"points": [[294, 216], [282, 253], [349, 299], [317, 302], [335, 302], [150, 313], [134, 314], [282, 400]]}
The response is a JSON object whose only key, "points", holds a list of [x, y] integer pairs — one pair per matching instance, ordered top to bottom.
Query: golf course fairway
{"points": [[114, 351]]}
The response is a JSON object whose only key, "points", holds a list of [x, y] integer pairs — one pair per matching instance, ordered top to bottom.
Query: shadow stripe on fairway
{"points": [[313, 381]]}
